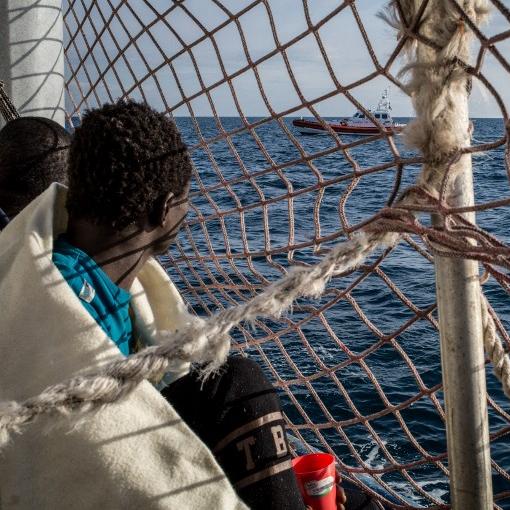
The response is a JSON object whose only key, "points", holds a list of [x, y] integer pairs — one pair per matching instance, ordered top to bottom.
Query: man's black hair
{"points": [[33, 153], [124, 158]]}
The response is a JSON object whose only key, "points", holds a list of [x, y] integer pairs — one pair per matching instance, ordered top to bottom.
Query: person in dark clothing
{"points": [[33, 154], [237, 414]]}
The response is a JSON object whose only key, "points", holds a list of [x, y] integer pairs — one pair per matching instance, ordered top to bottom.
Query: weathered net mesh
{"points": [[359, 368]]}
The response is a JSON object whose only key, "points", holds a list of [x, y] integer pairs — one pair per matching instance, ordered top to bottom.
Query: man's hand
{"points": [[340, 498]]}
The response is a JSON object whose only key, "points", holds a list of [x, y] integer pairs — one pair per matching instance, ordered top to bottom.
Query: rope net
{"points": [[358, 368]]}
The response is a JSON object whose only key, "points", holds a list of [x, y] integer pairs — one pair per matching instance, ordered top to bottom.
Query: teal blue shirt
{"points": [[106, 302]]}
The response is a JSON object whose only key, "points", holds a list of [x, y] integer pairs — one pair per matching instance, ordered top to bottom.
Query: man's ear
{"points": [[167, 205], [162, 206]]}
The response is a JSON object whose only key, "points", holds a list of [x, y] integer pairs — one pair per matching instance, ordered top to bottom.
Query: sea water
{"points": [[332, 324]]}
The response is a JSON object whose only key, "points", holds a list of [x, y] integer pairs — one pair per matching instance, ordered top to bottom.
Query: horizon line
{"points": [[298, 116]]}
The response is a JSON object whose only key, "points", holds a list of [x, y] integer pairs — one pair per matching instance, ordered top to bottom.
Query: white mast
{"points": [[32, 56]]}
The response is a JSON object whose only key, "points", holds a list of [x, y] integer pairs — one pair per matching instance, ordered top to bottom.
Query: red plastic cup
{"points": [[315, 474]]}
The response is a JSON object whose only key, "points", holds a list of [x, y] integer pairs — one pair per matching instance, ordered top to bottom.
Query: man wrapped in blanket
{"points": [[79, 287]]}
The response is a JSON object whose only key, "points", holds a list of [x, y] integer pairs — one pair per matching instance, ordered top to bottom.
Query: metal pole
{"points": [[31, 56], [463, 367]]}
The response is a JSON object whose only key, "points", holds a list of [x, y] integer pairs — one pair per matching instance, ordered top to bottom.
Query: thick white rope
{"points": [[434, 132], [201, 341], [494, 348]]}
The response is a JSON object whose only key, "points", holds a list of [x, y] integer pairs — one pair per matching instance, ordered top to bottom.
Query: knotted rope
{"points": [[437, 76]]}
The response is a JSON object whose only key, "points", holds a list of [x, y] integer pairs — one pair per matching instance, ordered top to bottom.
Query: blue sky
{"points": [[341, 37]]}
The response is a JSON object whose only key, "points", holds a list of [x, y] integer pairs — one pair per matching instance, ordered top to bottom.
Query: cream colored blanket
{"points": [[134, 454]]}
